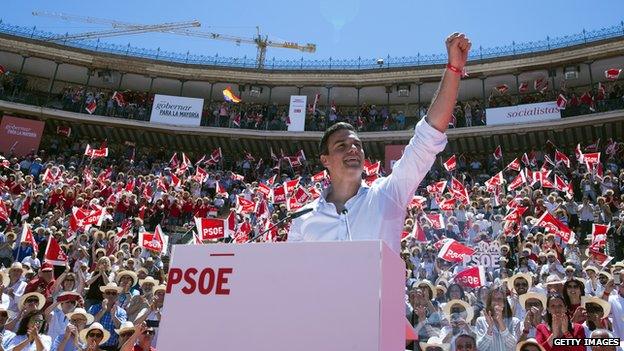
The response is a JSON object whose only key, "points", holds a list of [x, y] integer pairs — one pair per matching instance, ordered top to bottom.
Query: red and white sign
{"points": [[527, 113], [19, 136], [392, 154], [450, 164], [555, 226], [210, 228], [28, 237], [155, 241], [453, 251], [54, 254], [473, 277]]}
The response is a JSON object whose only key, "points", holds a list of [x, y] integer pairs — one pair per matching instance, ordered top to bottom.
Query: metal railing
{"points": [[359, 63]]}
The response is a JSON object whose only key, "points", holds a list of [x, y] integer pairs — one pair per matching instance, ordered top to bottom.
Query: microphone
{"points": [[345, 212], [298, 214], [290, 216]]}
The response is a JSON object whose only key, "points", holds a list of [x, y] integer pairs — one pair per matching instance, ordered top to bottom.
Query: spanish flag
{"points": [[229, 96]]}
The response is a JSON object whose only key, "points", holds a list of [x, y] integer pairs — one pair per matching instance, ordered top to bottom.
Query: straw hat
{"points": [[17, 265], [591, 268], [130, 274], [606, 274], [528, 277], [149, 280], [427, 283], [110, 286], [158, 288], [441, 288], [532, 295], [25, 297], [449, 305], [606, 306], [82, 312], [94, 326], [125, 326], [530, 341], [434, 342]]}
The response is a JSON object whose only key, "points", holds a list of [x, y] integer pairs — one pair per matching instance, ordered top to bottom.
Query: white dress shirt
{"points": [[378, 211]]}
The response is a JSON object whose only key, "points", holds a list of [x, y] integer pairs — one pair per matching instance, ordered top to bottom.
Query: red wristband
{"points": [[461, 72]]}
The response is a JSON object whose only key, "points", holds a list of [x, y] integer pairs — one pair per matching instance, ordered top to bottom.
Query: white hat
{"points": [[130, 274], [525, 276], [149, 280], [110, 286], [532, 295], [25, 297], [449, 306], [606, 306], [82, 312], [94, 326], [125, 326], [435, 342]]}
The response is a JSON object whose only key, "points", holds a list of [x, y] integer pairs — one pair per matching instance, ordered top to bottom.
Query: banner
{"points": [[176, 110], [296, 113], [527, 113], [19, 136], [393, 153], [210, 228], [453, 251], [486, 254], [473, 277]]}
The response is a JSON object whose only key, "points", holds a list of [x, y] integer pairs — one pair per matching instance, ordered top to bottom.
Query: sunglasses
{"points": [[149, 332], [95, 335]]}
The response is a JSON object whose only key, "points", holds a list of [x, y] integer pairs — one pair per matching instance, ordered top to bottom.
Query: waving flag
{"points": [[613, 73], [523, 87], [502, 89], [229, 96], [119, 99], [561, 102], [91, 106], [498, 153], [561, 157], [450, 164], [515, 164], [371, 168], [437, 187], [555, 226], [210, 228], [27, 236], [155, 241], [453, 251], [54, 254], [472, 277]]}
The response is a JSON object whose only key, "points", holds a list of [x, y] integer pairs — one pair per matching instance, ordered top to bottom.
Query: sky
{"points": [[341, 29]]}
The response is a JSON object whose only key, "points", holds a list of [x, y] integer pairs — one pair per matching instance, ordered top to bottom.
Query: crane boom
{"points": [[123, 28]]}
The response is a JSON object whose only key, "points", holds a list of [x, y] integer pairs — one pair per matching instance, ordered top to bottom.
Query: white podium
{"points": [[284, 296]]}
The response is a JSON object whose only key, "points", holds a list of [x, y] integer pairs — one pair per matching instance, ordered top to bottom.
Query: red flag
{"points": [[2, 70], [613, 73], [540, 84], [523, 87], [502, 89], [119, 99], [561, 102], [91, 106], [236, 120], [64, 131], [593, 147], [498, 153], [561, 157], [591, 158], [173, 162], [450, 164], [515, 164], [371, 168], [200, 174], [51, 175], [319, 176], [238, 177], [175, 181], [517, 181], [291, 185], [561, 185], [436, 188], [265, 190], [458, 190], [279, 194], [301, 196], [417, 201], [447, 204], [244, 206], [25, 208], [4, 213], [515, 215], [436, 220], [555, 226], [210, 228], [418, 233], [27, 236], [599, 236], [156, 241], [453, 251], [54, 254], [601, 258], [472, 277]]}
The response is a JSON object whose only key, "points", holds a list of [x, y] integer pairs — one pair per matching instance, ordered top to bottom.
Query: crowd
{"points": [[367, 117], [71, 282]]}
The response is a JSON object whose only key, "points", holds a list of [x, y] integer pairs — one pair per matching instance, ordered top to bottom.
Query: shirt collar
{"points": [[323, 198]]}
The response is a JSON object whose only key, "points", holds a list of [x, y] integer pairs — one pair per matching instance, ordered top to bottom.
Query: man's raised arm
{"points": [[443, 102]]}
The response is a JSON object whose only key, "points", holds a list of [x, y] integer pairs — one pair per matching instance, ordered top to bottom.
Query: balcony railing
{"points": [[480, 53]]}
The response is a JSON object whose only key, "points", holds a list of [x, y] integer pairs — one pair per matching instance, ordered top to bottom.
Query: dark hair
{"points": [[323, 148], [448, 291], [566, 298], [506, 308], [548, 316], [22, 328], [469, 336]]}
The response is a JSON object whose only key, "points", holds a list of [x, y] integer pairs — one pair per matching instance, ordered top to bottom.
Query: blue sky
{"points": [[339, 28]]}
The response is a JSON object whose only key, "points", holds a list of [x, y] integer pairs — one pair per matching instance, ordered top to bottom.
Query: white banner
{"points": [[176, 110], [297, 112], [528, 113]]}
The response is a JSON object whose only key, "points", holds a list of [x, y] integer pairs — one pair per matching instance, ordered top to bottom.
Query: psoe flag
{"points": [[229, 96]]}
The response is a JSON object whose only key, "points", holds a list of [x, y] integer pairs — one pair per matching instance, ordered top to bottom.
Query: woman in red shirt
{"points": [[573, 290], [558, 325]]}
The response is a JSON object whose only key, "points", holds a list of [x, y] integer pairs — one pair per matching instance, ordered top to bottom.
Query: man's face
{"points": [[345, 156], [464, 343]]}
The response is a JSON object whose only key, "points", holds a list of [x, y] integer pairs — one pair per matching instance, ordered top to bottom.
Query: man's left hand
{"points": [[458, 46]]}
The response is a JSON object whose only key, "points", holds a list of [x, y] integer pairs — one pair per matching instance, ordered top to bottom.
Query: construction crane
{"points": [[128, 30], [261, 42]]}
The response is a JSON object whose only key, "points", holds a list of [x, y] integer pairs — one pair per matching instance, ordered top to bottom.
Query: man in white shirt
{"points": [[349, 209], [615, 295]]}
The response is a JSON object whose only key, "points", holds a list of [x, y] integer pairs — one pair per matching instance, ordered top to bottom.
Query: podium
{"points": [[307, 296]]}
